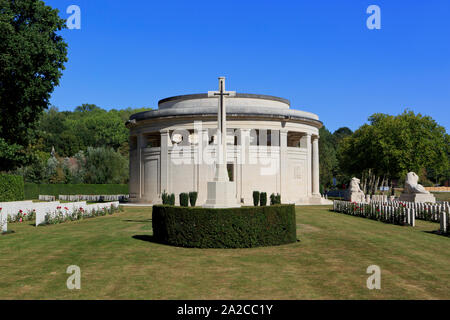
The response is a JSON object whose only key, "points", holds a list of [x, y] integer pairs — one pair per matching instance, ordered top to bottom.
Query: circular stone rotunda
{"points": [[270, 148]]}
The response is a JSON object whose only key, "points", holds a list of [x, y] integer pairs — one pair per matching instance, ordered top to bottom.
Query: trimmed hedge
{"points": [[11, 188], [32, 190], [256, 195], [193, 198], [184, 199], [263, 199], [243, 227]]}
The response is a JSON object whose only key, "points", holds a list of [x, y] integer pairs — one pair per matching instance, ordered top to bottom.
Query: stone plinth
{"points": [[221, 194], [358, 197], [417, 197]]}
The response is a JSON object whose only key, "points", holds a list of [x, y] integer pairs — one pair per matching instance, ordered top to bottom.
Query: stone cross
{"points": [[221, 165]]}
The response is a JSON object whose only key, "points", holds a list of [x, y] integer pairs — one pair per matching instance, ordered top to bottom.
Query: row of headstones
{"points": [[80, 197], [379, 198], [5, 208], [42, 209], [382, 210], [423, 211], [438, 212]]}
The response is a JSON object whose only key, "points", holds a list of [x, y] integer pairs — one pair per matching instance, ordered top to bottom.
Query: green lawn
{"points": [[442, 196], [118, 260]]}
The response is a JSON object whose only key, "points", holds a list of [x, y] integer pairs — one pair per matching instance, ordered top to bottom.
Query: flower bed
{"points": [[63, 214], [389, 214]]}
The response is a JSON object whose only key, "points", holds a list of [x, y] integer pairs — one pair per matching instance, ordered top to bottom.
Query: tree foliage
{"points": [[32, 58], [88, 126], [393, 145], [328, 149], [105, 166]]}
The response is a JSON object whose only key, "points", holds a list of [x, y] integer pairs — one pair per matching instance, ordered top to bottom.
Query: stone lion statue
{"points": [[411, 185], [354, 186], [354, 193]]}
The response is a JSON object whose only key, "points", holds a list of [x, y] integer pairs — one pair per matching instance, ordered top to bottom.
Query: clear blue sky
{"points": [[318, 54]]}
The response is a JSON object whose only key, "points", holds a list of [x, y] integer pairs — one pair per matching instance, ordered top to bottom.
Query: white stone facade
{"points": [[271, 148]]}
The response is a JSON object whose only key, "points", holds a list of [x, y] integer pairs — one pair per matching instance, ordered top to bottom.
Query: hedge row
{"points": [[11, 188], [32, 191], [243, 227]]}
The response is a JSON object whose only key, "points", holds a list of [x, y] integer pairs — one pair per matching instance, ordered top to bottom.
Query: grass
{"points": [[442, 196], [118, 260]]}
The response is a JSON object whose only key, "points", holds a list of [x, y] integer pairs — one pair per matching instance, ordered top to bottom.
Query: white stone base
{"points": [[221, 194], [357, 197], [417, 197], [314, 200]]}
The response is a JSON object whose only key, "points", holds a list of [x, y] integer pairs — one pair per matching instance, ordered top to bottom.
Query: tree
{"points": [[32, 58], [86, 107], [342, 133], [393, 145], [327, 156], [104, 165]]}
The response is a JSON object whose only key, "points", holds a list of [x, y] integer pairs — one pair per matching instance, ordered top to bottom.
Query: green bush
{"points": [[11, 188], [32, 191], [165, 198], [193, 198], [255, 198], [172, 199], [184, 199], [263, 199], [275, 199], [243, 227]]}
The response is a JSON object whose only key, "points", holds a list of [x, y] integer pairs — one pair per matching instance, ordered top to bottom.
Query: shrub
{"points": [[104, 165], [11, 188], [165, 198], [193, 198], [255, 198], [278, 198], [172, 199], [184, 199], [263, 199], [275, 199], [243, 227]]}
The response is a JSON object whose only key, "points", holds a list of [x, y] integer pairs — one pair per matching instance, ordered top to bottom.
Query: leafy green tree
{"points": [[32, 58], [86, 107], [90, 126], [342, 133], [394, 145], [327, 157], [104, 165]]}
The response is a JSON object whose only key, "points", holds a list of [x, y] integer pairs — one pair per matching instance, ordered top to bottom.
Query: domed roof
{"points": [[243, 104]]}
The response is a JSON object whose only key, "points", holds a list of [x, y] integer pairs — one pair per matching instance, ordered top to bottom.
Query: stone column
{"points": [[140, 143], [164, 161], [201, 161], [243, 161], [308, 164], [283, 165], [315, 166]]}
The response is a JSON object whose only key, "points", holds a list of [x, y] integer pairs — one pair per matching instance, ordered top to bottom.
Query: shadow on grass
{"points": [[145, 220], [7, 232], [439, 233], [148, 238]]}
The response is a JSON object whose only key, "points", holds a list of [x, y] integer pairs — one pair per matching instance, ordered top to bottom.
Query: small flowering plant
{"points": [[63, 214]]}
